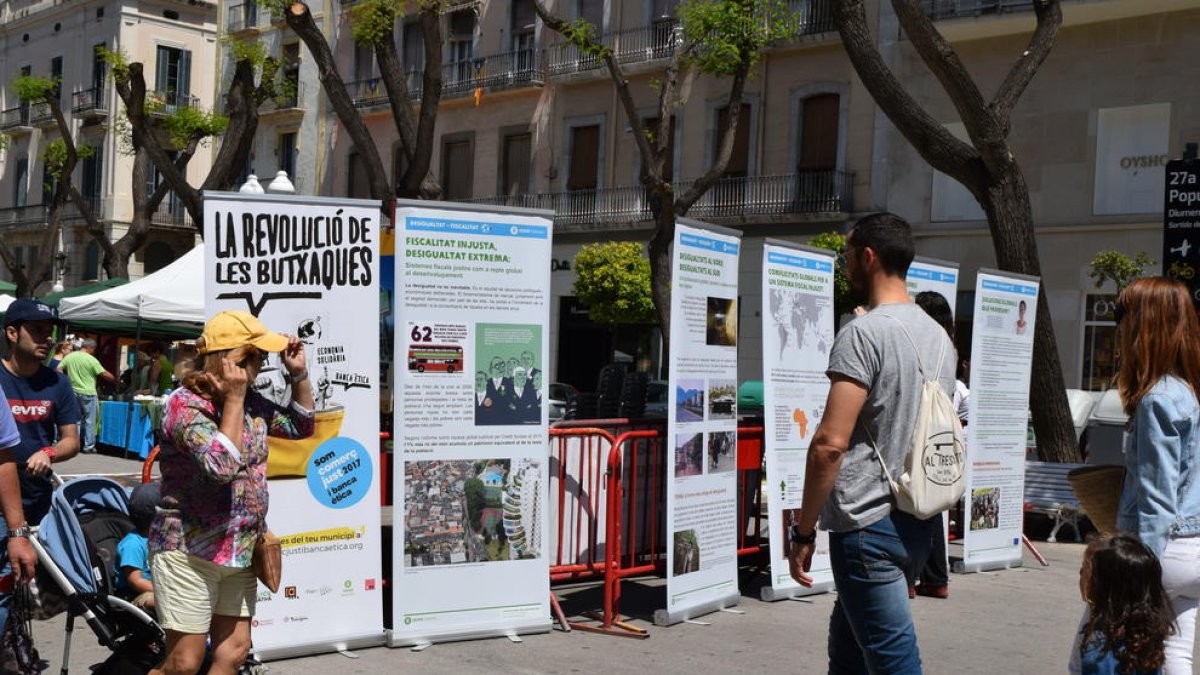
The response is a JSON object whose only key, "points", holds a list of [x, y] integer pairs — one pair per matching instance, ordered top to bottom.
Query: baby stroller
{"points": [[76, 545]]}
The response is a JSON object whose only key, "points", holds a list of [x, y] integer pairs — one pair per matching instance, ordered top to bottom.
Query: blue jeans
{"points": [[89, 408], [871, 629]]}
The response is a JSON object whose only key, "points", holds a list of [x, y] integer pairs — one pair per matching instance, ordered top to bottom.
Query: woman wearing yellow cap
{"points": [[213, 459]]}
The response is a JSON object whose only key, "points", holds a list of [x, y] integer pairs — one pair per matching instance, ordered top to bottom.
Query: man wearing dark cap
{"points": [[41, 400]]}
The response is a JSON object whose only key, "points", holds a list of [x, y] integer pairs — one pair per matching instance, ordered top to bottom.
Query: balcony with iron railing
{"points": [[954, 9], [242, 17], [813, 17], [635, 45], [498, 72], [290, 100], [89, 102], [170, 102], [40, 115], [14, 118], [813, 193], [171, 213], [34, 216]]}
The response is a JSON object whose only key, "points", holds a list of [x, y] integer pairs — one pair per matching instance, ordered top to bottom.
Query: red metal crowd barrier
{"points": [[629, 505]]}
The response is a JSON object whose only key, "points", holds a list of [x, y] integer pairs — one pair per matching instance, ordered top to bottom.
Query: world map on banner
{"points": [[797, 317]]}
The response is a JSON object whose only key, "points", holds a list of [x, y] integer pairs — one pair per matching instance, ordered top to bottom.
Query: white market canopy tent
{"points": [[172, 295], [5, 301]]}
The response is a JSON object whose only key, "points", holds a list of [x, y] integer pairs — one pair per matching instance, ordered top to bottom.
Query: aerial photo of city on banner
{"points": [[465, 511]]}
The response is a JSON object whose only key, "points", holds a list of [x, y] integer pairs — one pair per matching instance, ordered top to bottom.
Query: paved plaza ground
{"points": [[1012, 621]]}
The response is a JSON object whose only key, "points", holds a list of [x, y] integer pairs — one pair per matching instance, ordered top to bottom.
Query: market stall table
{"points": [[130, 425]]}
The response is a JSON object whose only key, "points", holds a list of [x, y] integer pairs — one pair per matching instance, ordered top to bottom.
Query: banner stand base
{"points": [[962, 567], [772, 594], [664, 617], [541, 626], [328, 647]]}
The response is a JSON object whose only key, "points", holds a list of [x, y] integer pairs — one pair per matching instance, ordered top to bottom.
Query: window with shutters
{"points": [[591, 11], [524, 23], [462, 39], [364, 62], [99, 68], [56, 71], [172, 78], [819, 129], [287, 154], [739, 159], [458, 162], [515, 164], [584, 170], [90, 176], [21, 183], [358, 184]]}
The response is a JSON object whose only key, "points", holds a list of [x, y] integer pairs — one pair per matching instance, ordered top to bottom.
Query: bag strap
{"points": [[920, 366], [875, 446]]}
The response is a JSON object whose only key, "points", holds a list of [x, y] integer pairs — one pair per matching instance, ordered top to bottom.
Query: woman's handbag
{"points": [[267, 561], [17, 653]]}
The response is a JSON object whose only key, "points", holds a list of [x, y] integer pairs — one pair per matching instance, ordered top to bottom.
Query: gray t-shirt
{"points": [[874, 351]]}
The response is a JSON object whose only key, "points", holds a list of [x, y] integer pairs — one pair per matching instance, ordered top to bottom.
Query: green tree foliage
{"points": [[372, 20], [727, 32], [34, 89], [54, 155], [1119, 268], [613, 280], [843, 302], [476, 502]]}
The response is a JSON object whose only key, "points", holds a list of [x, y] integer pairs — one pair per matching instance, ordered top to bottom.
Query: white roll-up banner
{"points": [[309, 267], [939, 276], [798, 331], [1001, 359], [472, 433], [702, 525]]}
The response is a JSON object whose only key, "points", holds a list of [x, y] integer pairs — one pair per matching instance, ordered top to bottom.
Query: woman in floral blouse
{"points": [[214, 484]]}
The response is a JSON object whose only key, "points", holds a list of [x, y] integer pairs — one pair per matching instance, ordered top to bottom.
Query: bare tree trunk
{"points": [[238, 142]]}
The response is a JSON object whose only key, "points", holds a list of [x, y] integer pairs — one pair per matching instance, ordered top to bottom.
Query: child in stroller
{"points": [[133, 551]]}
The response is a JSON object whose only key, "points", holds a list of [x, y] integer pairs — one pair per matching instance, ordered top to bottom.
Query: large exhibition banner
{"points": [[309, 266], [939, 276], [797, 335], [472, 338], [1001, 358], [702, 424]]}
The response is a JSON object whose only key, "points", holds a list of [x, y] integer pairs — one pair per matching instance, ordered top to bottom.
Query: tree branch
{"points": [[300, 20], [1049, 22], [941, 60], [934, 143]]}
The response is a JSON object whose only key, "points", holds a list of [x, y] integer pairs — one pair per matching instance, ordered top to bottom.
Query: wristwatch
{"points": [[22, 532], [802, 539]]}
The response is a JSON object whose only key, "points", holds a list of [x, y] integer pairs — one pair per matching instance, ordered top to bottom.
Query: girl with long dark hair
{"points": [[1129, 616]]}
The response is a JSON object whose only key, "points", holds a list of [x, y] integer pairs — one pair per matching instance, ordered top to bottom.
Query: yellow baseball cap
{"points": [[232, 329]]}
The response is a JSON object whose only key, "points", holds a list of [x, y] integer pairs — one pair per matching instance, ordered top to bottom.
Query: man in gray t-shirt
{"points": [[875, 374]]}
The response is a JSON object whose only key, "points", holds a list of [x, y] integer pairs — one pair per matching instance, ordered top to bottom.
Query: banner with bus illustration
{"points": [[471, 423]]}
